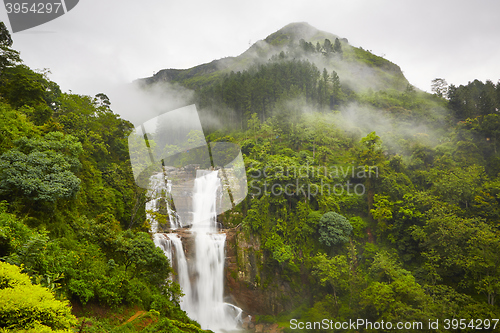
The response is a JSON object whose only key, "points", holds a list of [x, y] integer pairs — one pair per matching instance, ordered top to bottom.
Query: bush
{"points": [[334, 229], [24, 306], [166, 325]]}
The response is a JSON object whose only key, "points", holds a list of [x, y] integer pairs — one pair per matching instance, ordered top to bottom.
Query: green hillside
{"points": [[71, 218]]}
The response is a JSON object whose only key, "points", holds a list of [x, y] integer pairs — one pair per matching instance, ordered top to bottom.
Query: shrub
{"points": [[334, 229], [24, 306]]}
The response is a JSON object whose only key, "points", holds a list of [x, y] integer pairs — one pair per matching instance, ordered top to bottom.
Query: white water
{"points": [[157, 190], [164, 243], [182, 269], [202, 282]]}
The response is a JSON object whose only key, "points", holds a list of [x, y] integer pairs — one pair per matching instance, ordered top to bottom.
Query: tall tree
{"points": [[328, 47], [337, 47], [8, 56], [439, 87], [336, 90], [487, 99], [371, 157]]}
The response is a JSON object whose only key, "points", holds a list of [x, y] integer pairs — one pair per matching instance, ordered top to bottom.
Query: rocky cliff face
{"points": [[247, 284]]}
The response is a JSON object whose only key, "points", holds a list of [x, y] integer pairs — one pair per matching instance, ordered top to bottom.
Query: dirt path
{"points": [[137, 314]]}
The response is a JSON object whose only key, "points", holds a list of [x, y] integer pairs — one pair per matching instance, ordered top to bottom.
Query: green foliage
{"points": [[337, 47], [8, 56], [373, 60], [22, 86], [251, 92], [473, 100], [13, 125], [41, 169], [458, 185], [358, 226], [334, 229], [13, 233], [424, 234], [280, 251], [116, 267], [332, 271], [397, 295], [26, 306], [166, 325]]}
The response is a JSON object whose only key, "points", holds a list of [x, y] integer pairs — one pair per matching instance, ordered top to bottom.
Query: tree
{"points": [[5, 38], [318, 47], [328, 47], [337, 47], [8, 57], [22, 86], [439, 87], [324, 88], [336, 90], [487, 99], [101, 100], [13, 125], [254, 125], [490, 126], [195, 138], [371, 156], [41, 169], [458, 185], [383, 210], [334, 229], [444, 240], [466, 250], [280, 251], [138, 252], [483, 265], [332, 271], [394, 295], [27, 306]]}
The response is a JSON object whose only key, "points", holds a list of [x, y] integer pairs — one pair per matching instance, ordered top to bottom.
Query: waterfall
{"points": [[158, 190], [164, 243], [182, 271], [202, 280]]}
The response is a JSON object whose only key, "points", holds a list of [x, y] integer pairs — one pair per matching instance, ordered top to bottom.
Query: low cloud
{"points": [[139, 104]]}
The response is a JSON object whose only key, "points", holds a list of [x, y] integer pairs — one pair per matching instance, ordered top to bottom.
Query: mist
{"points": [[353, 72], [139, 104], [399, 129], [395, 130]]}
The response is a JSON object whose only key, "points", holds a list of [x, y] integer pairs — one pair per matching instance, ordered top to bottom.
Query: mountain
{"points": [[357, 68], [379, 208]]}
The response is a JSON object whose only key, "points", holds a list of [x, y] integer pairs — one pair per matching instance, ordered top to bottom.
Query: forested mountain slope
{"points": [[367, 197]]}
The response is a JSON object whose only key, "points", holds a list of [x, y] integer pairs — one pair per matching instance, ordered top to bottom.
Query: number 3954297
{"points": [[35, 8], [475, 324]]}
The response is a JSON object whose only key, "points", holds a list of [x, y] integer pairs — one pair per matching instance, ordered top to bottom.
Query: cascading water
{"points": [[158, 190], [164, 243], [182, 269], [202, 281]]}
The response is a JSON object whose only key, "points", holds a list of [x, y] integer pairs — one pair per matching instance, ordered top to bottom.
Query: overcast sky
{"points": [[101, 43]]}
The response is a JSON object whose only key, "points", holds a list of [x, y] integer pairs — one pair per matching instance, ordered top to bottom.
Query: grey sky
{"points": [[101, 43]]}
